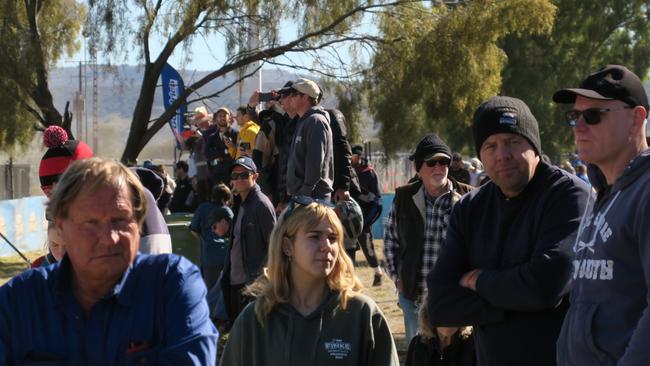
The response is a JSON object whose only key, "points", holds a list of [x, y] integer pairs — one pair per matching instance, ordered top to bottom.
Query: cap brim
{"points": [[286, 90], [569, 95], [438, 154], [243, 166]]}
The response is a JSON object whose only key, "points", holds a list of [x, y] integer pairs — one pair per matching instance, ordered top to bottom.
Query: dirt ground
{"points": [[384, 295]]}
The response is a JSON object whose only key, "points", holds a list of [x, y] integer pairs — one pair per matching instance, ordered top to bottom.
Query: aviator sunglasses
{"points": [[591, 116], [305, 201]]}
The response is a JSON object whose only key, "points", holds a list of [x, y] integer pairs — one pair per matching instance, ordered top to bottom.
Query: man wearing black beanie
{"points": [[417, 223], [505, 266]]}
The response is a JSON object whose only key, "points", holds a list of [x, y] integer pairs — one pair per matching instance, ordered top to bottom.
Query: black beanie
{"points": [[505, 115], [429, 146]]}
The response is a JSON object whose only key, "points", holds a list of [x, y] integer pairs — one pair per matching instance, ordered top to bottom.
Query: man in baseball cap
{"points": [[310, 169], [253, 222], [611, 262], [503, 267]]}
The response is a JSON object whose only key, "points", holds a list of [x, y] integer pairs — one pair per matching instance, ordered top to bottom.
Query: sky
{"points": [[207, 53]]}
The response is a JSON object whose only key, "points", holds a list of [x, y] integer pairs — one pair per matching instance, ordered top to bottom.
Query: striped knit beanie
{"points": [[60, 154]]}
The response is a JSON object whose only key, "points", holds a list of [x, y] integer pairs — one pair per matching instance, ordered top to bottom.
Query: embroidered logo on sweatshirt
{"points": [[338, 349]]}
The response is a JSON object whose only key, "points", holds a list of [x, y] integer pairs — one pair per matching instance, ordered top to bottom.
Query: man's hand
{"points": [[254, 100], [341, 194], [280, 207], [469, 279]]}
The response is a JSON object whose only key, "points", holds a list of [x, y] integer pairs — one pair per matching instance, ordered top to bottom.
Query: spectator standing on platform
{"points": [[202, 120], [248, 131], [221, 148], [310, 171], [417, 225], [505, 267], [608, 322]]}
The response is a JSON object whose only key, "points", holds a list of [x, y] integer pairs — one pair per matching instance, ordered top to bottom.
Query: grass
{"points": [[13, 265], [384, 295]]}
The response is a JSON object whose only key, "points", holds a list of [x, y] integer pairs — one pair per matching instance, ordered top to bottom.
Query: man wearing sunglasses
{"points": [[253, 222], [417, 223], [505, 265], [609, 319]]}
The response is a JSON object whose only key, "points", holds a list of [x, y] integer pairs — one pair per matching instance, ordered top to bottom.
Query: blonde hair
{"points": [[90, 174], [273, 287]]}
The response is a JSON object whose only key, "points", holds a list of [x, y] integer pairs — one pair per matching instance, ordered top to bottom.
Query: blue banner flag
{"points": [[173, 87]]}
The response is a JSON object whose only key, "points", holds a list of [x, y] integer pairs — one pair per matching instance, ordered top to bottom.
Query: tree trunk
{"points": [[141, 115]]}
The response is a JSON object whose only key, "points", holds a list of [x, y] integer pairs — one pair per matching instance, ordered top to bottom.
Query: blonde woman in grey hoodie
{"points": [[308, 308]]}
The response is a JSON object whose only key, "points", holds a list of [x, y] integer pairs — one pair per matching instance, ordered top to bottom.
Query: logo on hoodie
{"points": [[585, 267], [338, 349]]}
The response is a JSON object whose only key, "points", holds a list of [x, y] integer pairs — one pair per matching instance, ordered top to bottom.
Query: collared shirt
{"points": [[437, 210], [155, 314]]}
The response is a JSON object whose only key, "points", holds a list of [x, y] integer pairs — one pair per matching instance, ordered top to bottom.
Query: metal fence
{"points": [[391, 173], [15, 179]]}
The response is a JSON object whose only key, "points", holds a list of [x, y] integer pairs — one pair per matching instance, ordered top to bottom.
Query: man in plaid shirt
{"points": [[417, 223]]}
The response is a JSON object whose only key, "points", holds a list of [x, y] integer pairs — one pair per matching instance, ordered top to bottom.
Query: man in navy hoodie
{"points": [[505, 264], [608, 322]]}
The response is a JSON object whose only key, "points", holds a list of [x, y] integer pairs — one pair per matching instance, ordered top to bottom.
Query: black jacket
{"points": [[344, 175], [256, 226], [410, 226], [521, 244], [426, 352]]}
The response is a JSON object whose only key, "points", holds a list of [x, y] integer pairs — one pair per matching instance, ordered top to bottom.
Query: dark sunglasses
{"points": [[591, 116], [437, 161], [242, 175], [305, 201]]}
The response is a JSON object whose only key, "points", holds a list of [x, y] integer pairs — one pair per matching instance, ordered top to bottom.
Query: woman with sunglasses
{"points": [[308, 309]]}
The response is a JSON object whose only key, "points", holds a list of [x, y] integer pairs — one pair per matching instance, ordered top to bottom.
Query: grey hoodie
{"points": [[310, 170], [608, 322], [358, 335]]}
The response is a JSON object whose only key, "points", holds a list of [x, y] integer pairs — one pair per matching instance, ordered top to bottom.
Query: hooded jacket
{"points": [[310, 171], [522, 246], [608, 322], [358, 335]]}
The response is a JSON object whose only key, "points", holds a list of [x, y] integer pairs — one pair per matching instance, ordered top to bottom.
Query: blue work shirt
{"points": [[155, 314]]}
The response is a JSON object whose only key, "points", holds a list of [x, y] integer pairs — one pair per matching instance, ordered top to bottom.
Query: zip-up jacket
{"points": [[310, 171], [522, 245], [608, 322]]}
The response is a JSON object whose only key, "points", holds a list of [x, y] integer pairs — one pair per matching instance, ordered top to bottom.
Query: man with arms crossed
{"points": [[505, 265]]}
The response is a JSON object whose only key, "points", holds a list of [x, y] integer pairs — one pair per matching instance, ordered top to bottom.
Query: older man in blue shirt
{"points": [[104, 303]]}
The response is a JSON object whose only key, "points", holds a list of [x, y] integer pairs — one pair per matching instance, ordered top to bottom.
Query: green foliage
{"points": [[586, 35], [31, 42], [440, 63], [351, 102]]}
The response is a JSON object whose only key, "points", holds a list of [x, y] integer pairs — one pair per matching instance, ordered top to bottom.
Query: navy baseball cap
{"points": [[246, 162]]}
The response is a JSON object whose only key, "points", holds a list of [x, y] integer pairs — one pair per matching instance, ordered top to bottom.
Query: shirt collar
{"points": [[432, 199], [123, 290]]}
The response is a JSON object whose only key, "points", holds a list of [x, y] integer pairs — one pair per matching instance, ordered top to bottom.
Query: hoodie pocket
{"points": [[589, 312]]}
